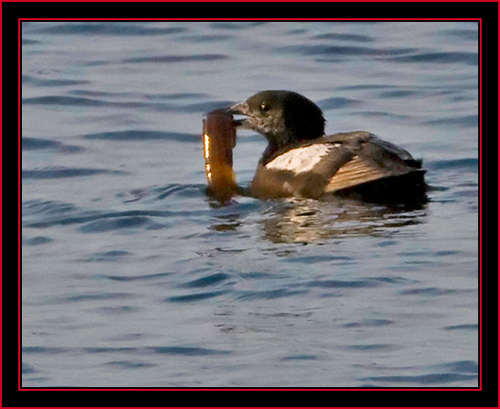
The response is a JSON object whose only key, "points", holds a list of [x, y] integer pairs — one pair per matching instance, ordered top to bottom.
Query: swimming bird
{"points": [[301, 161]]}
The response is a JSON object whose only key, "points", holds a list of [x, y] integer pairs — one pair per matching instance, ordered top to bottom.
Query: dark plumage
{"points": [[301, 161]]}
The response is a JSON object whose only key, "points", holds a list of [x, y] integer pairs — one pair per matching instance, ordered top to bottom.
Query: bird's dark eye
{"points": [[264, 107]]}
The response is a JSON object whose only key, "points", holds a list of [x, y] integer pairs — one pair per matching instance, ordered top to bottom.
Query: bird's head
{"points": [[283, 117]]}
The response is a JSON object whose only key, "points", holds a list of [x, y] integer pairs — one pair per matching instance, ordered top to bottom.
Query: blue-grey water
{"points": [[131, 276]]}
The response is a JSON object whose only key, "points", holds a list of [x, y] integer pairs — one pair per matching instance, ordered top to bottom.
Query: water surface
{"points": [[131, 276]]}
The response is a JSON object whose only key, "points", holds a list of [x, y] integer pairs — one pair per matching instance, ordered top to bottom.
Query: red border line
{"points": [[256, 1], [245, 19], [479, 20], [480, 129], [480, 136], [19, 195], [1, 201]]}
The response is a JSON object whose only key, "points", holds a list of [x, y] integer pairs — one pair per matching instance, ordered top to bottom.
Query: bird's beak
{"points": [[241, 108]]}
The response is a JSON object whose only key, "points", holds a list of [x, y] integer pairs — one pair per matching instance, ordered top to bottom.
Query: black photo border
{"points": [[485, 396]]}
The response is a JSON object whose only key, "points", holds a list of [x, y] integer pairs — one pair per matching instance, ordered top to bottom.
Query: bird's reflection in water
{"points": [[308, 221], [315, 221], [229, 222]]}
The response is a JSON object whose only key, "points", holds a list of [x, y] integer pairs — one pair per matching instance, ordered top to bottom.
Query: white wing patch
{"points": [[302, 159]]}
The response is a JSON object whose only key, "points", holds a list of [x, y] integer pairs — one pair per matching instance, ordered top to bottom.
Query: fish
{"points": [[219, 139]]}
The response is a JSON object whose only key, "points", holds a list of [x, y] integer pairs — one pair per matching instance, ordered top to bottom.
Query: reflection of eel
{"points": [[219, 139]]}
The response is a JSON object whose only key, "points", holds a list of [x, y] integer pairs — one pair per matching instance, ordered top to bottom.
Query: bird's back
{"points": [[346, 163]]}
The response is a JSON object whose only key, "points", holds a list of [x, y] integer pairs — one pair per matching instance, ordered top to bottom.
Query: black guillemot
{"points": [[301, 161]]}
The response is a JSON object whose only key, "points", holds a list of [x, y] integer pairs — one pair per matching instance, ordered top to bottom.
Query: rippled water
{"points": [[132, 277]]}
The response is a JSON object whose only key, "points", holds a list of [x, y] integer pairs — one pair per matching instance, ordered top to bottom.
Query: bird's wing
{"points": [[360, 157], [331, 164], [304, 170]]}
